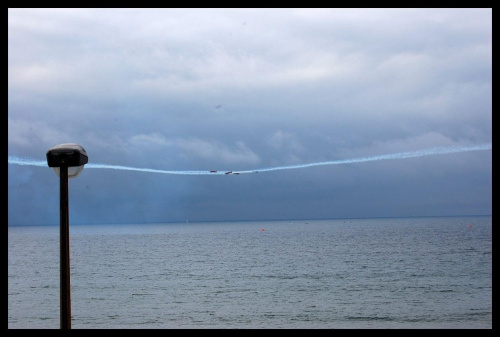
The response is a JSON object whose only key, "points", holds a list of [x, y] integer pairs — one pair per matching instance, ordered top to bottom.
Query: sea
{"points": [[382, 273]]}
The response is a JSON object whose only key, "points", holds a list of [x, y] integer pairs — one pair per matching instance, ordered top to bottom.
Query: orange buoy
{"points": [[262, 229]]}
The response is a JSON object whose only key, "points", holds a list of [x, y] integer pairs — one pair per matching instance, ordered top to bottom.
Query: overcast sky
{"points": [[245, 89]]}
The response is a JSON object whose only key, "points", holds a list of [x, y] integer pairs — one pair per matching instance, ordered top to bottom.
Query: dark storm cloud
{"points": [[236, 89]]}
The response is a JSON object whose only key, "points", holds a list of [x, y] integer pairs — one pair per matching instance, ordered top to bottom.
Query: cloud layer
{"points": [[194, 89]]}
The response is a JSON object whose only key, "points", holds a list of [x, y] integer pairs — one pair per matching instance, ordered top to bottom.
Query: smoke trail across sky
{"points": [[399, 155]]}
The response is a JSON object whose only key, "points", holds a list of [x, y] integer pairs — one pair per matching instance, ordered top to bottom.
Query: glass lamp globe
{"points": [[73, 171]]}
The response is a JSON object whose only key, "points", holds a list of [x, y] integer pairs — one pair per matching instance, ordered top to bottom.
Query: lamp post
{"points": [[67, 161]]}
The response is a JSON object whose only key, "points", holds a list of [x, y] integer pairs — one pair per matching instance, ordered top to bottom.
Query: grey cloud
{"points": [[190, 89], [239, 153]]}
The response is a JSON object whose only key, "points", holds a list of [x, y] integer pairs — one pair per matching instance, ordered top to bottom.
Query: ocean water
{"points": [[394, 273]]}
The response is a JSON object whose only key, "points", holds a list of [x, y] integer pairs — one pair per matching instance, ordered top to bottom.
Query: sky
{"points": [[243, 90]]}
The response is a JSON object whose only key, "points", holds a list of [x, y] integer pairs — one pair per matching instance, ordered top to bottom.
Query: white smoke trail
{"points": [[400, 155]]}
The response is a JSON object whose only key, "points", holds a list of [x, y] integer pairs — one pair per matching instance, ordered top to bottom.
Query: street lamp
{"points": [[67, 160]]}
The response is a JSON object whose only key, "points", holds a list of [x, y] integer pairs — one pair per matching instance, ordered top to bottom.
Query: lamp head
{"points": [[68, 155]]}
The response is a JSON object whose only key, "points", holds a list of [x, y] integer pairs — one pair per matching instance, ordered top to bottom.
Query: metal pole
{"points": [[64, 250]]}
